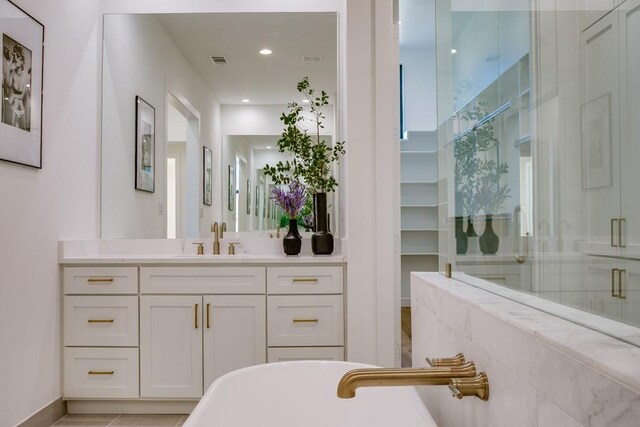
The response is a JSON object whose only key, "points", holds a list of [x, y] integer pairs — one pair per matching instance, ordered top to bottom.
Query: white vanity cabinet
{"points": [[305, 307], [165, 331], [101, 332], [194, 335]]}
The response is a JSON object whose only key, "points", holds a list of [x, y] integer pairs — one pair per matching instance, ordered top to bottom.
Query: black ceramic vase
{"points": [[471, 232], [322, 239], [462, 240], [489, 241], [292, 242]]}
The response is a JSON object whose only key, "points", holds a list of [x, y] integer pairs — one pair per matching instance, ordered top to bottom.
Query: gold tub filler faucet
{"points": [[459, 375]]}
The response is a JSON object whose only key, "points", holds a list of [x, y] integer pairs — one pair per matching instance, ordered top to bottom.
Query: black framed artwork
{"points": [[22, 69], [145, 145], [207, 176]]}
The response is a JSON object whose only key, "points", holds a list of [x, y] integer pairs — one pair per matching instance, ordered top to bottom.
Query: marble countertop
{"points": [[183, 251], [558, 326]]}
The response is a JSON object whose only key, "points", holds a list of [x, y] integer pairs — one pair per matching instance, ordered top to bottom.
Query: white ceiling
{"points": [[263, 79]]}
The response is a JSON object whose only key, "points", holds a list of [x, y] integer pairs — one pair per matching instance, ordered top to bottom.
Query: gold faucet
{"points": [[218, 233], [384, 377]]}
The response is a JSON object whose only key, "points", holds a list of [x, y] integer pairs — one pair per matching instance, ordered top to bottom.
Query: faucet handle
{"points": [[223, 228], [200, 247], [232, 248], [456, 360], [476, 386]]}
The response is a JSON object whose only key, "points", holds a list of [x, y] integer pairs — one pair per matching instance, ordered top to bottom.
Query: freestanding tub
{"points": [[295, 394]]}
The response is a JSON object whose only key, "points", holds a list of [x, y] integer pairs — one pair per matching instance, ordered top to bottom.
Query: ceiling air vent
{"points": [[311, 58], [219, 60]]}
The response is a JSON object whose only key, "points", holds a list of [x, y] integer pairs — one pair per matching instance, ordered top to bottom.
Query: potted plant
{"points": [[313, 158], [478, 179], [291, 201]]}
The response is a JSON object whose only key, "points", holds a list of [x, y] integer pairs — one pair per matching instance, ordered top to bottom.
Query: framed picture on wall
{"points": [[21, 107], [595, 135], [145, 145], [207, 176], [231, 186], [248, 197], [256, 197]]}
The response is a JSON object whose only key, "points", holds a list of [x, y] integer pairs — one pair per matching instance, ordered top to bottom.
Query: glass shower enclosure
{"points": [[539, 154]]}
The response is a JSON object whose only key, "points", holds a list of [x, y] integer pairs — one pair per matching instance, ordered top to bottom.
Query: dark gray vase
{"points": [[322, 239], [462, 240], [489, 241], [292, 242]]}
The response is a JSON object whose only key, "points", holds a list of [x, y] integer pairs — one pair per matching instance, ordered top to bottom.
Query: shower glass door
{"points": [[538, 148]]}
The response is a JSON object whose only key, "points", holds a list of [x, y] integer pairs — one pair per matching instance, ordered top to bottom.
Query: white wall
{"points": [[141, 59], [419, 70], [61, 201], [39, 207]]}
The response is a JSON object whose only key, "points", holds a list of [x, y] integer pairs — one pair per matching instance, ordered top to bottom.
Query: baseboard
{"points": [[405, 302], [131, 406], [47, 415]]}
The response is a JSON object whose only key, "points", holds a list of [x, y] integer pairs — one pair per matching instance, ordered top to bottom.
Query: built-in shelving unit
{"points": [[419, 206]]}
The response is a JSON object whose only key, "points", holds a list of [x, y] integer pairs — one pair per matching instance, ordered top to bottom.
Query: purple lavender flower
{"points": [[292, 201]]}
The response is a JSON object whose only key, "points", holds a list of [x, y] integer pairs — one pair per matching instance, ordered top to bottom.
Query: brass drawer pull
{"points": [[614, 222], [621, 223], [620, 276], [100, 280], [305, 280], [613, 282], [195, 315], [208, 316], [305, 320], [100, 321], [100, 372]]}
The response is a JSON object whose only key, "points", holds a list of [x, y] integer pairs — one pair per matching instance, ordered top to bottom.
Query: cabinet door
{"points": [[592, 10], [629, 16], [600, 135], [600, 277], [629, 291], [235, 333], [171, 346]]}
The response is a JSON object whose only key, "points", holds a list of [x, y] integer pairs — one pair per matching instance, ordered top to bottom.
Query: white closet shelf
{"points": [[418, 152], [418, 182], [434, 205]]}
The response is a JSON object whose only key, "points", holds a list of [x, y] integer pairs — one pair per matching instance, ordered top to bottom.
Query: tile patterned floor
{"points": [[79, 420]]}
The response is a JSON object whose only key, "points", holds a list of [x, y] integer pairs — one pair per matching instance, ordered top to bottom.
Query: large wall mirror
{"points": [[178, 85]]}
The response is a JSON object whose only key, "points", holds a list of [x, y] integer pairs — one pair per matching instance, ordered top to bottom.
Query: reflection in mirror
{"points": [[210, 87]]}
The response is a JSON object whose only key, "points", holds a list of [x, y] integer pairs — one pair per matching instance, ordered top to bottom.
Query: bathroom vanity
{"points": [[165, 326]]}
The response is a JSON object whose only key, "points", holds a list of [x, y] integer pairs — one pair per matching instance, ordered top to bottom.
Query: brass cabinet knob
{"points": [[200, 247]]}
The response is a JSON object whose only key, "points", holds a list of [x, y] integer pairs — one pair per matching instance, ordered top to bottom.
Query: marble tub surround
{"points": [[176, 251], [543, 370]]}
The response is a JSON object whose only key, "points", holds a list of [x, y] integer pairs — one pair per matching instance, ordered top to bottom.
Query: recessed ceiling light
{"points": [[400, 21], [454, 50], [265, 52], [246, 100], [305, 101], [269, 147]]}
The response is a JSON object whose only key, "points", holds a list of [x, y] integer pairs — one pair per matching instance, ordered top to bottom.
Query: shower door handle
{"points": [[520, 258]]}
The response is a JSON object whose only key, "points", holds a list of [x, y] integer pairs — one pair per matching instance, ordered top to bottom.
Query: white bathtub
{"points": [[303, 393]]}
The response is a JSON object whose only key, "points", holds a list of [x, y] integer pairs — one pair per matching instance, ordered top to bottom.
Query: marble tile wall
{"points": [[543, 370]]}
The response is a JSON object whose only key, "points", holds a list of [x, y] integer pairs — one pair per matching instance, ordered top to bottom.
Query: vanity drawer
{"points": [[100, 280], [202, 280], [304, 280], [310, 320], [101, 321], [287, 354], [101, 373]]}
